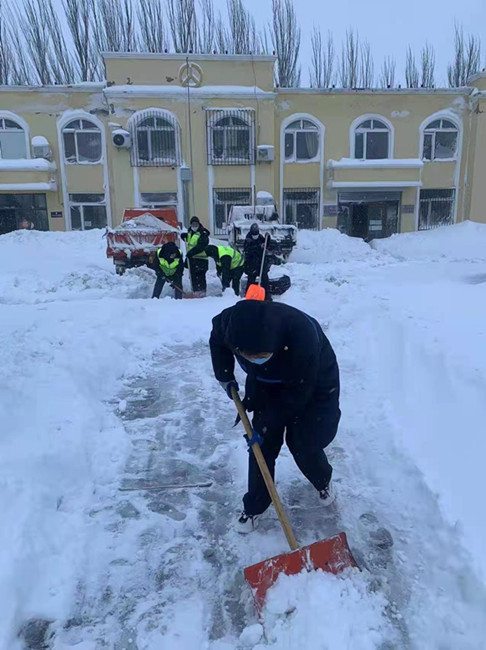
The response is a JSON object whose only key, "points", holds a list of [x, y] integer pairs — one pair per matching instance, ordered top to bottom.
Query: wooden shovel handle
{"points": [[267, 477]]}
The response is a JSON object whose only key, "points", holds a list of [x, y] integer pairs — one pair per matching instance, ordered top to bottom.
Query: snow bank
{"points": [[464, 241], [328, 246], [318, 611]]}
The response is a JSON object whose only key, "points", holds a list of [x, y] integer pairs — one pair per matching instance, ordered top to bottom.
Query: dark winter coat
{"points": [[302, 377]]}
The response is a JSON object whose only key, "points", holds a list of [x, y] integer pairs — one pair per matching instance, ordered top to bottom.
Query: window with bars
{"points": [[230, 136], [12, 140], [155, 140], [372, 140], [440, 140], [82, 142], [223, 201], [301, 207], [436, 208], [87, 211]]}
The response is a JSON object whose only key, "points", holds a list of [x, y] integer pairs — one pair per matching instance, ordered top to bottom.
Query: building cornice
{"points": [[192, 57]]}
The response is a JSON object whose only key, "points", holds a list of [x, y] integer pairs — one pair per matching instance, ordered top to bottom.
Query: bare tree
{"points": [[80, 18], [33, 24], [183, 24], [114, 25], [207, 27], [242, 31], [153, 33], [285, 35], [5, 50], [467, 57], [60, 59], [322, 62], [428, 66], [349, 67], [367, 68], [411, 70], [387, 78]]}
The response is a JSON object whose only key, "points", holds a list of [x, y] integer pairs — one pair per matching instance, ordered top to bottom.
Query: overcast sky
{"points": [[389, 26]]}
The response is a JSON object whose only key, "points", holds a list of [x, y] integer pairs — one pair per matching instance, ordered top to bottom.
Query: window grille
{"points": [[230, 137], [155, 140], [158, 199], [223, 201], [301, 207], [436, 209]]}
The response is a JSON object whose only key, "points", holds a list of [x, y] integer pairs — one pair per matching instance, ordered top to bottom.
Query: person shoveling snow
{"points": [[292, 386]]}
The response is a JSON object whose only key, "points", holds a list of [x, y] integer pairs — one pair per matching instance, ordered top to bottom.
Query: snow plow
{"points": [[139, 235], [332, 555]]}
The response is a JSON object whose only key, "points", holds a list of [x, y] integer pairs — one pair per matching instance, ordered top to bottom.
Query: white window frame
{"points": [[7, 115], [246, 116], [355, 128], [96, 129], [294, 132], [433, 132], [83, 204], [159, 204]]}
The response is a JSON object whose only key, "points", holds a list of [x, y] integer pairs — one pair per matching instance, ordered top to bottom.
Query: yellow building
{"points": [[205, 132]]}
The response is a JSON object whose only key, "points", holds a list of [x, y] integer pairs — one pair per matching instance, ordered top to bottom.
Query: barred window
{"points": [[231, 137], [155, 140], [440, 140], [82, 142], [158, 199], [224, 200], [301, 207], [436, 208]]}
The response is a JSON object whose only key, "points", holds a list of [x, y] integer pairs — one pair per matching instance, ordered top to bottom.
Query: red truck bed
{"points": [[140, 234]]}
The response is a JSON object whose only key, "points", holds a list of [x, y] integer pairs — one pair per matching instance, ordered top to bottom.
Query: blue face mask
{"points": [[260, 362]]}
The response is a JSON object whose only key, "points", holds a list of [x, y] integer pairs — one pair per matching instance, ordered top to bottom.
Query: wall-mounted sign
{"points": [[408, 209], [330, 210], [56, 215]]}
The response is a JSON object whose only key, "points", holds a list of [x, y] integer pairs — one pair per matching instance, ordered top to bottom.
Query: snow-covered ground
{"points": [[107, 396]]}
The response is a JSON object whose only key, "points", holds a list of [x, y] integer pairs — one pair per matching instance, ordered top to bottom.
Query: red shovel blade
{"points": [[332, 555]]}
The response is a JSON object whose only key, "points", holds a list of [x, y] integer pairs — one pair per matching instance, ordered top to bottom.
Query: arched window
{"points": [[230, 137], [12, 140], [155, 140], [372, 140], [440, 140], [301, 141], [82, 142]]}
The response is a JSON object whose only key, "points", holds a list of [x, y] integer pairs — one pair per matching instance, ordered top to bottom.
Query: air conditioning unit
{"points": [[121, 139], [41, 148], [265, 153]]}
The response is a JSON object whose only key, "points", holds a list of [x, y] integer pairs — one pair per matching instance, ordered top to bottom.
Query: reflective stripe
{"points": [[192, 241], [236, 257]]}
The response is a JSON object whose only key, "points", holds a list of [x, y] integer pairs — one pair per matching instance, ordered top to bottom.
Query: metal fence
{"points": [[230, 136], [155, 140], [223, 201], [301, 207], [436, 209]]}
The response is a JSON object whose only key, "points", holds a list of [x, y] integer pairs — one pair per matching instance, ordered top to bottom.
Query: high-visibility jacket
{"points": [[191, 242], [236, 257], [168, 268]]}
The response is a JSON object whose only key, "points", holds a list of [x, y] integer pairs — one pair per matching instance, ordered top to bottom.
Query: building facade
{"points": [[205, 132]]}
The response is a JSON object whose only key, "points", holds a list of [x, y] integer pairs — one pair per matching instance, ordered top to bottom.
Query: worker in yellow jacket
{"points": [[230, 265]]}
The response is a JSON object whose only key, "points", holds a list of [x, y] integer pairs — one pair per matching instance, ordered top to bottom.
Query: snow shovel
{"points": [[256, 291], [332, 555]]}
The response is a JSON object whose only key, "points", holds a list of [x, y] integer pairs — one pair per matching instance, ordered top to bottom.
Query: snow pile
{"points": [[145, 221], [464, 241], [328, 246], [319, 611]]}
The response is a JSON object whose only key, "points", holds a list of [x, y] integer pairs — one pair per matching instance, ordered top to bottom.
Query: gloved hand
{"points": [[228, 385], [255, 437]]}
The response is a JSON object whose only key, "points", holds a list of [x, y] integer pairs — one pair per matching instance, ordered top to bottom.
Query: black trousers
{"points": [[198, 269], [253, 272], [233, 278], [160, 282], [306, 437]]}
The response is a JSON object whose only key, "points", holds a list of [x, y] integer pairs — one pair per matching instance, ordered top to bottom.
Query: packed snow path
{"points": [[161, 568]]}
